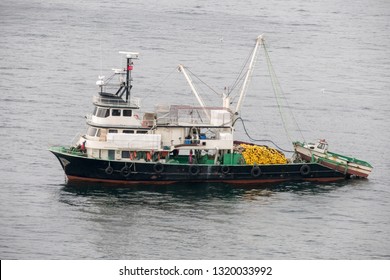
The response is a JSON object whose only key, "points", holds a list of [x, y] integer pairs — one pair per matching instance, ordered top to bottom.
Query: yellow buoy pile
{"points": [[262, 155]]}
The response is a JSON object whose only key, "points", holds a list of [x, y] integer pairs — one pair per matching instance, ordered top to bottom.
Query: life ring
{"points": [[158, 167], [225, 169], [109, 170], [194, 170], [305, 170], [125, 171], [256, 171]]}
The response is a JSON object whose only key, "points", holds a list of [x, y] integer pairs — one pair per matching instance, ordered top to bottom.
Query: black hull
{"points": [[79, 168]]}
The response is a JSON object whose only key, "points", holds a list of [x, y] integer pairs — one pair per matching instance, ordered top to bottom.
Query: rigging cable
{"points": [[240, 76], [166, 77], [109, 78], [203, 82], [276, 86], [259, 140]]}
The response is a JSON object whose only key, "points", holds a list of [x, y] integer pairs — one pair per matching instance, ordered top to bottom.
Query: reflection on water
{"points": [[199, 191], [147, 194], [201, 217]]}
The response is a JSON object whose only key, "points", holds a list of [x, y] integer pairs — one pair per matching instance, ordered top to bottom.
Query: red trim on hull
{"points": [[339, 168], [363, 175], [335, 179], [122, 182], [233, 182], [247, 182], [251, 182]]}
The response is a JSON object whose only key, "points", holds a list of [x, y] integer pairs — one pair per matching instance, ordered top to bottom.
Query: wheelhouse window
{"points": [[101, 112], [115, 112], [127, 113], [91, 131], [113, 131], [128, 131], [142, 131], [321, 146], [111, 154], [125, 154]]}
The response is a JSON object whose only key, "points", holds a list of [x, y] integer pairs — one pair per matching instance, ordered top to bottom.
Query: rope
{"points": [[241, 75], [109, 78], [165, 79], [203, 82], [274, 82], [276, 85], [259, 140]]}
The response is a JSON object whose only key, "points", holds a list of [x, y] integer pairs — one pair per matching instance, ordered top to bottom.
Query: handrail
{"points": [[132, 102]]}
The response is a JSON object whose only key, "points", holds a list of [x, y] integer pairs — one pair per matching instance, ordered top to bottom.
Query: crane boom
{"points": [[259, 40], [188, 78]]}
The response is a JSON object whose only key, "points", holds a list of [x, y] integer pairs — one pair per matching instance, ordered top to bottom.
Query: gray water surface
{"points": [[332, 61]]}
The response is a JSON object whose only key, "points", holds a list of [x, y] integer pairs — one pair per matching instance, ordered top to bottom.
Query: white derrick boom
{"points": [[244, 87], [195, 92]]}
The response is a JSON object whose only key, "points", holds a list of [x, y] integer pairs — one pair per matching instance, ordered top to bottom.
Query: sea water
{"points": [[331, 60]]}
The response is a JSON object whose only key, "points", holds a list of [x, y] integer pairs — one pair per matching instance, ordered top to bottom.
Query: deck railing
{"points": [[132, 102]]}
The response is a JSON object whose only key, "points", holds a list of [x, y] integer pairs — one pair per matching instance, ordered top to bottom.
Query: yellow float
{"points": [[262, 155]]}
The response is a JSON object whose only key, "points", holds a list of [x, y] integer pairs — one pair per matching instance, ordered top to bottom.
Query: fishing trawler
{"points": [[176, 143]]}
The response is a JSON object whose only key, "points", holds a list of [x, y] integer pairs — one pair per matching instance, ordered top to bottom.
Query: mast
{"points": [[259, 40], [129, 68], [128, 76]]}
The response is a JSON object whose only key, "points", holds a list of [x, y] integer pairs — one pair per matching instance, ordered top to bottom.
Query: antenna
{"points": [[129, 68]]}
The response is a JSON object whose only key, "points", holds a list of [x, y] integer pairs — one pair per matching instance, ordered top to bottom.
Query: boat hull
{"points": [[333, 162], [80, 168]]}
